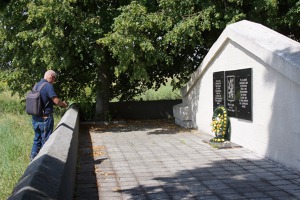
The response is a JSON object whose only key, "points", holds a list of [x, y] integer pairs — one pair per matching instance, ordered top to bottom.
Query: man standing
{"points": [[43, 125]]}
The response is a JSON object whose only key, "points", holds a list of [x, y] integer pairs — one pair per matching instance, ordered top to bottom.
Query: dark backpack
{"points": [[34, 104]]}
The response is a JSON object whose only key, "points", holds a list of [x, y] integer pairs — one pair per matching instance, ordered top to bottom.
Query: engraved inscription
{"points": [[218, 87], [233, 89]]}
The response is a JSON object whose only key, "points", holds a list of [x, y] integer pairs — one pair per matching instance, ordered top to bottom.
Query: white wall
{"points": [[275, 99], [275, 129]]}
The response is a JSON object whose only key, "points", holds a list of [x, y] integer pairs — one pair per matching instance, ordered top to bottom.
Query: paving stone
{"points": [[139, 163], [279, 194], [255, 195], [231, 196], [207, 197]]}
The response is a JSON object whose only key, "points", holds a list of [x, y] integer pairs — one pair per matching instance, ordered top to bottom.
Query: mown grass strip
{"points": [[16, 137]]}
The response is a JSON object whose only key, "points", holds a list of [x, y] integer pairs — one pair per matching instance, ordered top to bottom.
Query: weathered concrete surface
{"points": [[51, 175]]}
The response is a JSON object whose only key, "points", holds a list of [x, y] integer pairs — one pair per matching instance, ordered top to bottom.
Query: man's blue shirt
{"points": [[47, 93]]}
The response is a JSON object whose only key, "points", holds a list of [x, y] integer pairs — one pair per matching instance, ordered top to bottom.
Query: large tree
{"points": [[61, 35], [171, 38], [108, 48]]}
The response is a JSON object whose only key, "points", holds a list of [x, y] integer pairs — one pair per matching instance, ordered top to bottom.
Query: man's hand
{"points": [[60, 103], [64, 104]]}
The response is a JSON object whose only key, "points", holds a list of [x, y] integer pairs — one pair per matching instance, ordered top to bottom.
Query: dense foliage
{"points": [[61, 35], [171, 38], [121, 48]]}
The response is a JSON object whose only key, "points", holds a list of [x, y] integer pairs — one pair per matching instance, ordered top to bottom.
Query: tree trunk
{"points": [[102, 93]]}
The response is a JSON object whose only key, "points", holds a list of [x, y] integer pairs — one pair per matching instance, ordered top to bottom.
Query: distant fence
{"points": [[143, 110], [51, 175]]}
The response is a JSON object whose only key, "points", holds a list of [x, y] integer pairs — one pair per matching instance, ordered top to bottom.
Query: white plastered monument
{"points": [[273, 130]]}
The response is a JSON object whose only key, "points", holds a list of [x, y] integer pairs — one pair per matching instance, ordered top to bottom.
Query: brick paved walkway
{"points": [[151, 160]]}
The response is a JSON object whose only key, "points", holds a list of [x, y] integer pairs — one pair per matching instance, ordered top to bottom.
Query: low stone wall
{"points": [[143, 110], [51, 175]]}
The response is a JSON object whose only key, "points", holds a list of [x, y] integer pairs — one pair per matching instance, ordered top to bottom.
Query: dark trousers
{"points": [[43, 128]]}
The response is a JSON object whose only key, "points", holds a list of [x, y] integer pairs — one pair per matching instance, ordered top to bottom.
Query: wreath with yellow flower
{"points": [[219, 124]]}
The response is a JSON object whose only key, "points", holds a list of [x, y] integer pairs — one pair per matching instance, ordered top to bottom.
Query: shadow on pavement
{"points": [[155, 127], [237, 179], [86, 180]]}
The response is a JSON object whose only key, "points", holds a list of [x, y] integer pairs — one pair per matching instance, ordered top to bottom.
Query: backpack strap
{"points": [[41, 86]]}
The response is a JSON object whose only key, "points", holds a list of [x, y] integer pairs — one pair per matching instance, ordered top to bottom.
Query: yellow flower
{"points": [[219, 121]]}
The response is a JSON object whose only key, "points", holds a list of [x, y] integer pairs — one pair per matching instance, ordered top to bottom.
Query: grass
{"points": [[163, 93], [16, 136], [16, 140]]}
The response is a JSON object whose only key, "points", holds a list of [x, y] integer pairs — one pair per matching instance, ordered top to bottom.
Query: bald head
{"points": [[49, 73], [50, 76]]}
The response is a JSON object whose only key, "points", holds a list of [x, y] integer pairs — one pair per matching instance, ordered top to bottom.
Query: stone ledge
{"points": [[51, 175]]}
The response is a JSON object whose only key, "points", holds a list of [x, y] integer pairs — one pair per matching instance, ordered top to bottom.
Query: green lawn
{"points": [[163, 93], [16, 137], [15, 140], [15, 144]]}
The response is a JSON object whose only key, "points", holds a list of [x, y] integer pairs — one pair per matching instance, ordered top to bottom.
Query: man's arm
{"points": [[58, 102]]}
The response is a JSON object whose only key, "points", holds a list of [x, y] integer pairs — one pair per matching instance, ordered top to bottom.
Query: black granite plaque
{"points": [[218, 90], [238, 93]]}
